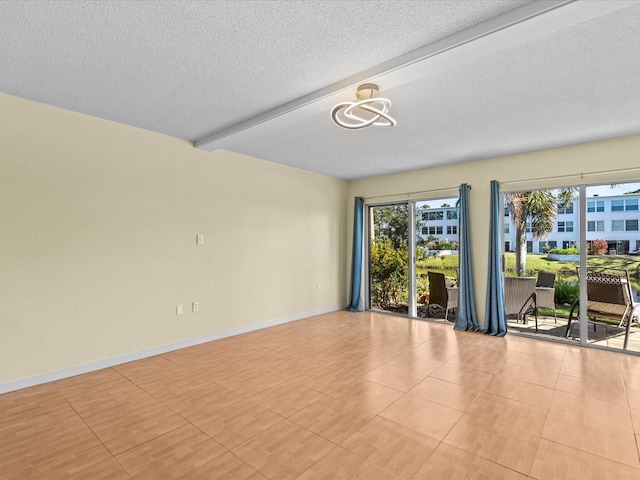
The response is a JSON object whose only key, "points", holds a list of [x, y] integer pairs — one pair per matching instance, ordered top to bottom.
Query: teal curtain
{"points": [[355, 302], [466, 318], [495, 322]]}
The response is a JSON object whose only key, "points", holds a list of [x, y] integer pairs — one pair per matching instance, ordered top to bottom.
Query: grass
{"points": [[445, 262], [540, 263], [567, 270]]}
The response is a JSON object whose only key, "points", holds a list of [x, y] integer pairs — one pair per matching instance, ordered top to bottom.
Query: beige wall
{"points": [[619, 158], [97, 243]]}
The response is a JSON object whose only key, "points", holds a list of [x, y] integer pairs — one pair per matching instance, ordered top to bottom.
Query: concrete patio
{"points": [[603, 335]]}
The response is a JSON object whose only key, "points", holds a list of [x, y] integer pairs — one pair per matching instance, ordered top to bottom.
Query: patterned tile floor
{"points": [[338, 396]]}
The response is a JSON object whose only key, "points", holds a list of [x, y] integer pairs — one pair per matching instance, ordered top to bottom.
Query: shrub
{"points": [[444, 246], [598, 247], [565, 251], [389, 273], [566, 292]]}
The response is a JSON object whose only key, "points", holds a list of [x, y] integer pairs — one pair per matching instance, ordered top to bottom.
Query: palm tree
{"points": [[539, 209]]}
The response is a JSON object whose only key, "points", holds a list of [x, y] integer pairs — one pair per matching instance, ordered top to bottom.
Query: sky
{"points": [[600, 190], [608, 191]]}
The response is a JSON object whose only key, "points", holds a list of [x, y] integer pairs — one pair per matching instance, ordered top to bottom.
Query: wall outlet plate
{"points": [[196, 306]]}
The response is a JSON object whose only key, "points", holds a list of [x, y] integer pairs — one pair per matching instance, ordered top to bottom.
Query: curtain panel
{"points": [[355, 300], [466, 318], [495, 322]]}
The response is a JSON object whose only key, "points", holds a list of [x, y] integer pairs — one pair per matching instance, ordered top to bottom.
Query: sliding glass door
{"points": [[572, 243], [413, 257]]}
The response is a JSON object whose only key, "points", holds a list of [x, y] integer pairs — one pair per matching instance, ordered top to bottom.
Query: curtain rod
{"points": [[581, 175], [408, 194]]}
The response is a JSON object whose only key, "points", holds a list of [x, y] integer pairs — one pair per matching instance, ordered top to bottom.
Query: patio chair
{"points": [[546, 292], [440, 294], [609, 296], [520, 297]]}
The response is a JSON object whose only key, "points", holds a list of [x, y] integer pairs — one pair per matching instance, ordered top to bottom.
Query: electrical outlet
{"points": [[199, 239], [317, 287], [196, 306], [178, 309]]}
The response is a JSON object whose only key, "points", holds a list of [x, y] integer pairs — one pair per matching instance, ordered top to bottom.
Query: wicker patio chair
{"points": [[546, 292], [440, 294], [609, 296], [520, 297]]}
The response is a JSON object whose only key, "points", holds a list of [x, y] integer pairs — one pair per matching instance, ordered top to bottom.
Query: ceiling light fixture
{"points": [[368, 109]]}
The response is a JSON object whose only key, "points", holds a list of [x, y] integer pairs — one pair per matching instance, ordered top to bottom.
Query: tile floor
{"points": [[338, 396]]}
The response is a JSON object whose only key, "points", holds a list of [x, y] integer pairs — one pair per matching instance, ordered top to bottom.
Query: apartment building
{"points": [[611, 218], [615, 219], [438, 224]]}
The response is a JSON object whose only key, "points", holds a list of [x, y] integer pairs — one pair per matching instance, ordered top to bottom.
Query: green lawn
{"points": [[540, 263], [565, 271]]}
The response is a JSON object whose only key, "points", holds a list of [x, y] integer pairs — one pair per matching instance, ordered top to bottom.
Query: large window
{"points": [[617, 205], [594, 206], [566, 210], [452, 214], [437, 215], [617, 225], [631, 225], [565, 226], [595, 226], [452, 229], [432, 230]]}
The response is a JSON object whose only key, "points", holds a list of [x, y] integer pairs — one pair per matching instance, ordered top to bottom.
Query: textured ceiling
{"points": [[195, 69]]}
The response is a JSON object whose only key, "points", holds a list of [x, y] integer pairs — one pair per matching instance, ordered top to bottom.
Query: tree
{"points": [[539, 209], [392, 221]]}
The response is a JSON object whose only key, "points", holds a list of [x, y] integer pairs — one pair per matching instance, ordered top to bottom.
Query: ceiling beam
{"points": [[532, 20]]}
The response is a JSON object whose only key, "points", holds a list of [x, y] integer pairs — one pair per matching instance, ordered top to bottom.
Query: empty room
{"points": [[317, 239]]}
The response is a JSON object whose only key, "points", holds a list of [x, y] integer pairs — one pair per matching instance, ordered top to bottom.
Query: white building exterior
{"points": [[614, 219], [439, 223]]}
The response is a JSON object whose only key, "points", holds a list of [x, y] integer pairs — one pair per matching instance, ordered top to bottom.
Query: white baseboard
{"points": [[150, 352]]}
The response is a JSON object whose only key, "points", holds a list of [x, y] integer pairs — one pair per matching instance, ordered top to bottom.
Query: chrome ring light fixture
{"points": [[368, 109]]}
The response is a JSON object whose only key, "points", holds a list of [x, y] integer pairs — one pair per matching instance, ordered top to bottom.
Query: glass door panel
{"points": [[541, 240], [436, 256], [389, 257], [613, 264]]}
